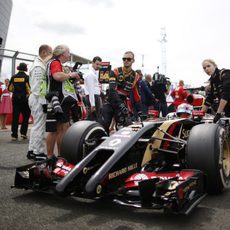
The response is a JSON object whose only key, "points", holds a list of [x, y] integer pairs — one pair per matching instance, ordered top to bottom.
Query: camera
{"points": [[76, 69], [161, 79], [52, 97]]}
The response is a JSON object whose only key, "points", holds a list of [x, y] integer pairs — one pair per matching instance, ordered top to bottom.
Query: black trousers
{"points": [[20, 106], [98, 106], [111, 110], [107, 115]]}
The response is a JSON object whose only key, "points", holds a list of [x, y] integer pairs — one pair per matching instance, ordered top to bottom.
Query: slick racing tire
{"points": [[80, 139], [208, 149]]}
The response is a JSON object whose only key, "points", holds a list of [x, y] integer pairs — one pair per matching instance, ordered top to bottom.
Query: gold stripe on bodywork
{"points": [[156, 143]]}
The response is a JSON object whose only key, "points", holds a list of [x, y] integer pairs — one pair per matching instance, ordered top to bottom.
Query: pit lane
{"points": [[20, 209]]}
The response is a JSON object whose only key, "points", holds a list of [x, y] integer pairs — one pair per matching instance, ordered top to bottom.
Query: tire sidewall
{"points": [[72, 146], [205, 152]]}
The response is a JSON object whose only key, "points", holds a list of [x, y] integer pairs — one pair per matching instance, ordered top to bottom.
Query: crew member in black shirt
{"points": [[19, 86], [219, 89]]}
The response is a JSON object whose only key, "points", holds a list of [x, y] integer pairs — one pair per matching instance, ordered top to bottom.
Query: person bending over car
{"points": [[123, 82], [219, 89]]}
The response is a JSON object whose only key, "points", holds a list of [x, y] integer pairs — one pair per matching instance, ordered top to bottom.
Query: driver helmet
{"points": [[184, 110]]}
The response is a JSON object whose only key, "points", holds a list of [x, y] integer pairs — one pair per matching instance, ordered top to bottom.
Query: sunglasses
{"points": [[126, 59]]}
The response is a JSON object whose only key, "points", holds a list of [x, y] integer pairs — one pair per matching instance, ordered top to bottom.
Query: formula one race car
{"points": [[159, 164]]}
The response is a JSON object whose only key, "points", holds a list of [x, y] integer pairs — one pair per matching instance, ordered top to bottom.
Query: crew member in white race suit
{"points": [[37, 104]]}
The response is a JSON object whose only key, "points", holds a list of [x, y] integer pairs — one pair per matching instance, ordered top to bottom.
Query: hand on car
{"points": [[217, 117]]}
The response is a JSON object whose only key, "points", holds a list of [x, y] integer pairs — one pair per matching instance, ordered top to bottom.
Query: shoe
{"points": [[24, 137], [14, 138], [30, 155], [40, 157]]}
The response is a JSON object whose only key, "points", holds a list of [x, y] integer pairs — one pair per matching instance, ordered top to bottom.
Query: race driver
{"points": [[123, 83]]}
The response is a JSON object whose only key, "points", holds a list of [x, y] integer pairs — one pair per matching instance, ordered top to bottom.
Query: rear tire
{"points": [[74, 147], [208, 149]]}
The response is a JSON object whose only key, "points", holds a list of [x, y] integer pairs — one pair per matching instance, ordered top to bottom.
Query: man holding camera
{"points": [[159, 89], [93, 90], [61, 96], [37, 104]]}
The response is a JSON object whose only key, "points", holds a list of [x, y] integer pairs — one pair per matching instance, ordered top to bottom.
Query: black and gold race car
{"points": [[160, 164]]}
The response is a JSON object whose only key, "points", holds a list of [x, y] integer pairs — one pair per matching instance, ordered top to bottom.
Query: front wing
{"points": [[176, 192]]}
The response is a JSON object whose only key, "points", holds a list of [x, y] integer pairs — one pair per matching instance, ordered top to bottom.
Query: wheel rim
{"points": [[96, 132], [226, 158]]}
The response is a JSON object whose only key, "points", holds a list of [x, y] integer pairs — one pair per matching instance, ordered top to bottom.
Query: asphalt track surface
{"points": [[21, 209]]}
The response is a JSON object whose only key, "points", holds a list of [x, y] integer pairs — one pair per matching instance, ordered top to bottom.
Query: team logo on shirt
{"points": [[19, 79]]}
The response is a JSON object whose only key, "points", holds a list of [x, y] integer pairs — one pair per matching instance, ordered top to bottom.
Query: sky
{"points": [[195, 30]]}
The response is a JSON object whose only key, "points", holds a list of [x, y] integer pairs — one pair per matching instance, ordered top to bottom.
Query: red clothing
{"points": [[55, 67], [55, 86], [179, 95], [5, 102]]}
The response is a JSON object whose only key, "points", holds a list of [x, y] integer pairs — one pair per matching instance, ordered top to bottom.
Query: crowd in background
{"points": [[52, 95]]}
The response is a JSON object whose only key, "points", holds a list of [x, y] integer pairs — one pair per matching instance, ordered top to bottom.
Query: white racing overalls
{"points": [[36, 102]]}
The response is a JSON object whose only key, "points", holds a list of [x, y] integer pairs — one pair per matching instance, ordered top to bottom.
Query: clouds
{"points": [[107, 3], [61, 28], [196, 29]]}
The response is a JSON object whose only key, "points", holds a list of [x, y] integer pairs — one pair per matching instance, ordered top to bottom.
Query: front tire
{"points": [[80, 139], [208, 149]]}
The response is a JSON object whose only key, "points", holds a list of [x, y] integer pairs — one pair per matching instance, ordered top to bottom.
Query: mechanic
{"points": [[123, 82], [20, 87], [219, 89], [61, 96], [37, 104]]}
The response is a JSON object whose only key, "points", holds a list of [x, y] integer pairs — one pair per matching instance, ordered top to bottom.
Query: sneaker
{"points": [[24, 137], [14, 138], [30, 155], [40, 157]]}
